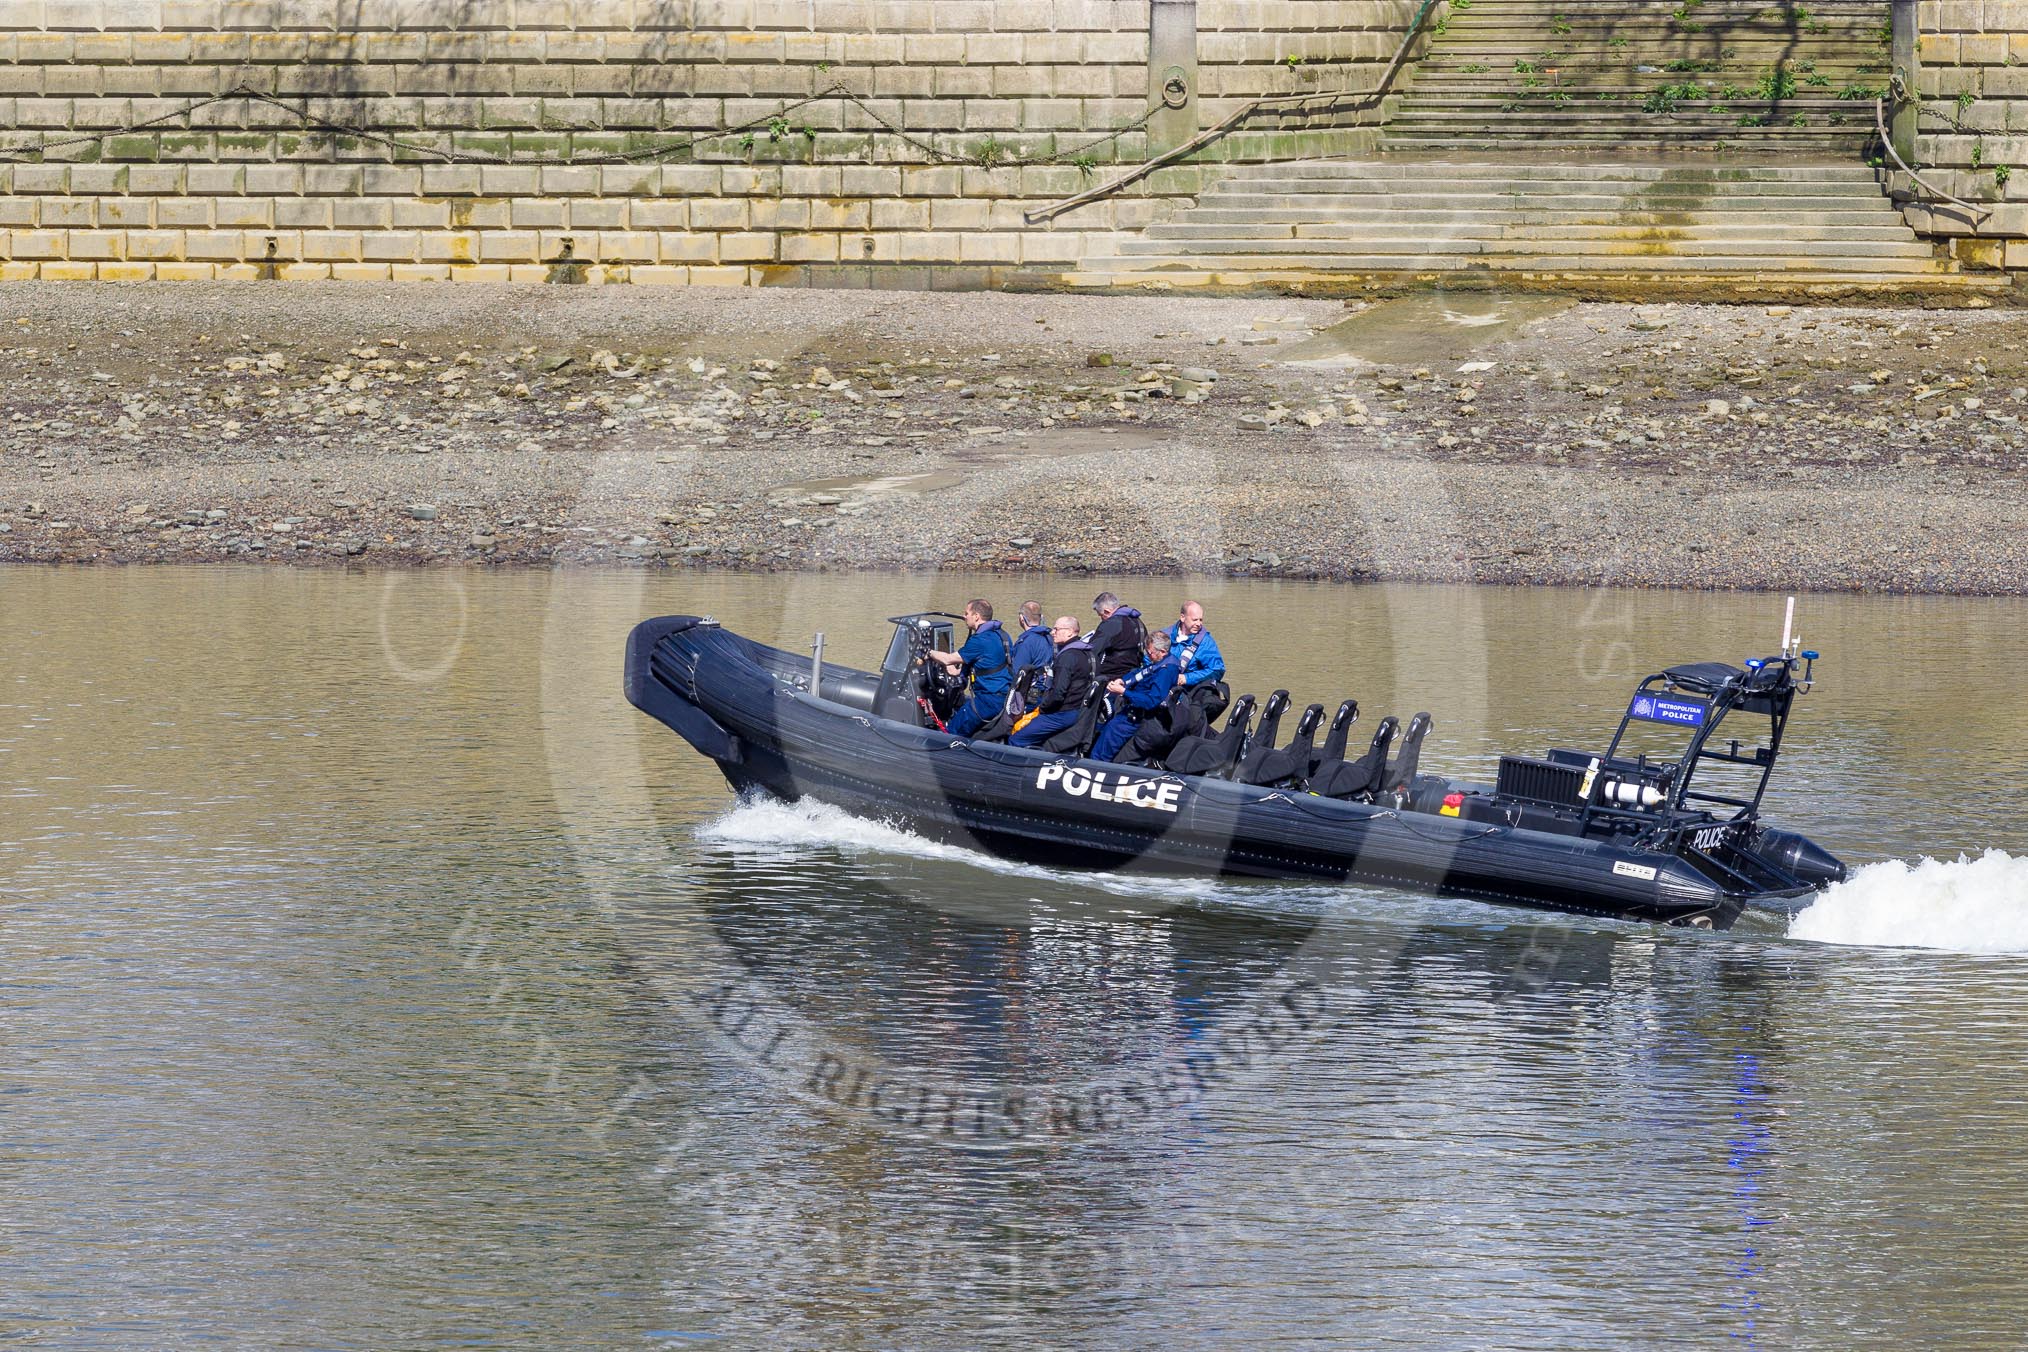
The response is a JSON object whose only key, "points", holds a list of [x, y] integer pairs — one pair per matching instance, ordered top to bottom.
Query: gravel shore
{"points": [[1459, 438]]}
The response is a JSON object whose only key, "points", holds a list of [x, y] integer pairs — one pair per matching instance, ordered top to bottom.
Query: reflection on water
{"points": [[366, 986]]}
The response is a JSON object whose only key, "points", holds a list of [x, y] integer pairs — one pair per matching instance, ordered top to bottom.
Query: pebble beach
{"points": [[1462, 438]]}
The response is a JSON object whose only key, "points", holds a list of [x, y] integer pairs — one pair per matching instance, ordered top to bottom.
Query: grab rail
{"points": [[1880, 125], [1206, 137]]}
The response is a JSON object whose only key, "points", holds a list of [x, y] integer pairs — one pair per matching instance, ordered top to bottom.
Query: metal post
{"points": [[1906, 61], [1172, 73], [817, 666]]}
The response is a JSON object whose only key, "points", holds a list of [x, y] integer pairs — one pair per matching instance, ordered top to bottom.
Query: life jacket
{"points": [[994, 628], [1131, 638], [1082, 645]]}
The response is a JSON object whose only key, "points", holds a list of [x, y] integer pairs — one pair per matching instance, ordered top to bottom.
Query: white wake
{"points": [[770, 826], [1962, 906]]}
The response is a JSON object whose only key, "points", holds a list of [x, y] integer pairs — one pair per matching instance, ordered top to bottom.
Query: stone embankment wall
{"points": [[1972, 131], [684, 141]]}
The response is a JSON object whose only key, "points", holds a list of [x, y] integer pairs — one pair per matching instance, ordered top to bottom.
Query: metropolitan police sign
{"points": [[1682, 713]]}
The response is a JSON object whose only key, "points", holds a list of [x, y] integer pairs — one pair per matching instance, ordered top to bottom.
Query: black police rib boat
{"points": [[1620, 833]]}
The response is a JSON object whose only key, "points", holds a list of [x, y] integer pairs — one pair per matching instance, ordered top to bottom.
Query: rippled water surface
{"points": [[374, 977]]}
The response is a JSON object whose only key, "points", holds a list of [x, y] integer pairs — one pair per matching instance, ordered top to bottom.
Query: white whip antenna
{"points": [[1788, 626]]}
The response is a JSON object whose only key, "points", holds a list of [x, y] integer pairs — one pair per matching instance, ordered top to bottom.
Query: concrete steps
{"points": [[1711, 77], [1598, 146], [1770, 173], [1527, 206], [1597, 225], [1749, 233], [1531, 252], [1322, 266]]}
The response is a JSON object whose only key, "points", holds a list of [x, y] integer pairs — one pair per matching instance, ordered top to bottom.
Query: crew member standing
{"points": [[986, 662], [1140, 694]]}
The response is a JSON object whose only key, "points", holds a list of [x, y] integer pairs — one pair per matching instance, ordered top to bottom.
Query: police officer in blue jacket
{"points": [[1035, 647], [1196, 651], [987, 663], [1202, 664], [1139, 695]]}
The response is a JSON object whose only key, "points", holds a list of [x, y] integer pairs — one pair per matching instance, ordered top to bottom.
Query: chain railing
{"points": [[1897, 91], [1278, 102], [775, 123]]}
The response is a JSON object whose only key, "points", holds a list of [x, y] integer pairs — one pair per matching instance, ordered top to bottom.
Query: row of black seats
{"points": [[1249, 755]]}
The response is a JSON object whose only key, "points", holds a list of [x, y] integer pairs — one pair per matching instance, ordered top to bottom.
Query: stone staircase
{"points": [[1713, 76], [1592, 146], [1816, 224]]}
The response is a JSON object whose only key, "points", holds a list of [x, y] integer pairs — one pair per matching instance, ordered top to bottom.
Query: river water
{"points": [[375, 977]]}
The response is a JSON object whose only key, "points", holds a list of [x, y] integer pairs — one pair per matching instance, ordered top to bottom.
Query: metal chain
{"points": [[38, 151]]}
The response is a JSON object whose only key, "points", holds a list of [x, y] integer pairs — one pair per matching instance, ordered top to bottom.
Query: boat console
{"points": [[911, 685], [1701, 803]]}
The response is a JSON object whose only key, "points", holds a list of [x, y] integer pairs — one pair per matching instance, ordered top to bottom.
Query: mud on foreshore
{"points": [[1459, 438]]}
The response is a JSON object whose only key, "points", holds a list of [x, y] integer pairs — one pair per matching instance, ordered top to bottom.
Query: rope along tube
{"points": [[1294, 800]]}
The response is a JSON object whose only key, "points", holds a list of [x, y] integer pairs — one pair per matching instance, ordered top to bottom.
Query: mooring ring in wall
{"points": [[1175, 87]]}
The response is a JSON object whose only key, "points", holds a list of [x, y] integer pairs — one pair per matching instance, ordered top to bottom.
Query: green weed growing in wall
{"points": [[1776, 83], [1665, 99]]}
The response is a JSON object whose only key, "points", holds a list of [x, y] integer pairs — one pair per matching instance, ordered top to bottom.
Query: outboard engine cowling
{"points": [[1798, 854]]}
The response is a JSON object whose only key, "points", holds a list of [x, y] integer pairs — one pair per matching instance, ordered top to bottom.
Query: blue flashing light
{"points": [[1811, 655], [1754, 664]]}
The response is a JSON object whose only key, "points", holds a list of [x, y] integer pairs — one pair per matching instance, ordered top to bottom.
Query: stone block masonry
{"points": [[1971, 71], [704, 142]]}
